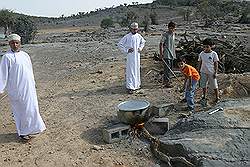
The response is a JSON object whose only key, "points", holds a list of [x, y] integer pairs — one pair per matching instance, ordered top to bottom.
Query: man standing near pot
{"points": [[131, 45], [167, 53], [16, 77]]}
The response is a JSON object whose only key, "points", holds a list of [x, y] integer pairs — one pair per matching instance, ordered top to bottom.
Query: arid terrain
{"points": [[79, 75]]}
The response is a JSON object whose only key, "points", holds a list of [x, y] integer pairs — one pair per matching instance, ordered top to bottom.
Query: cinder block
{"points": [[163, 109], [158, 126], [115, 133]]}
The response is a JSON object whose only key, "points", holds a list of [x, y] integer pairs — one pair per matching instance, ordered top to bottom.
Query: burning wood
{"points": [[138, 130]]}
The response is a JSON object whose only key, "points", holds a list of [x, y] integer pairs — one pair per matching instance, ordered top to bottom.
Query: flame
{"points": [[138, 126]]}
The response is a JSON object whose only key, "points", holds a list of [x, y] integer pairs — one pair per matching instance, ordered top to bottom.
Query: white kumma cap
{"points": [[134, 25], [13, 37]]}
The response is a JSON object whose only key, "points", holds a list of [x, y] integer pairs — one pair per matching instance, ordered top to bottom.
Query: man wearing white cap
{"points": [[132, 44], [16, 77]]}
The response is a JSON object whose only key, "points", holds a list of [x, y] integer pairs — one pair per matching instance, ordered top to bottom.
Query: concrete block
{"points": [[163, 109], [157, 126], [115, 133]]}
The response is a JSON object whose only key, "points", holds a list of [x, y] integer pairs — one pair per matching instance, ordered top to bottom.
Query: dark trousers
{"points": [[167, 73]]}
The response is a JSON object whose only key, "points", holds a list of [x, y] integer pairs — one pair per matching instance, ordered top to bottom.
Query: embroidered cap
{"points": [[134, 25], [15, 37]]}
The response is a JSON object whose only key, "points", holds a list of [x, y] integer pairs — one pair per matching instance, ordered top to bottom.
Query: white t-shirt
{"points": [[208, 59]]}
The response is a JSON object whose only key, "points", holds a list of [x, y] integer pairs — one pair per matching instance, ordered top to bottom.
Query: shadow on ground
{"points": [[94, 135], [8, 138]]}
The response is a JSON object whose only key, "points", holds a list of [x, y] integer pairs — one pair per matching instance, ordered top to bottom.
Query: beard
{"points": [[15, 49]]}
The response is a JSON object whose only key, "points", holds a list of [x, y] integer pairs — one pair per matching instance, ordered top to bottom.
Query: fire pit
{"points": [[133, 112]]}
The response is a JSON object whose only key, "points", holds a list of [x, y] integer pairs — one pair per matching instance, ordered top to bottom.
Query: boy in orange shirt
{"points": [[191, 79]]}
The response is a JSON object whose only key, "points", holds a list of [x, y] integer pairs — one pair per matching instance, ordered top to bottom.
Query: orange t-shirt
{"points": [[190, 71]]}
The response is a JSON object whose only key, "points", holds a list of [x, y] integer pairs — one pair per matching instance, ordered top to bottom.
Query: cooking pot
{"points": [[133, 111]]}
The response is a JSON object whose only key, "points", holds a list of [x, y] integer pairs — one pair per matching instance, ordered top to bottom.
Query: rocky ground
{"points": [[80, 81], [212, 139]]}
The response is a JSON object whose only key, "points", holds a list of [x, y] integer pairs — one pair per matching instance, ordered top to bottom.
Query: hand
{"points": [[178, 49], [130, 50], [160, 57]]}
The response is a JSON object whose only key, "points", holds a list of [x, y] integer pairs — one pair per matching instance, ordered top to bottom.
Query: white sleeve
{"points": [[142, 43], [122, 45], [216, 57], [199, 58], [29, 61], [4, 73]]}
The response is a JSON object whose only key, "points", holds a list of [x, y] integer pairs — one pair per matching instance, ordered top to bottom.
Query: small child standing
{"points": [[208, 66], [191, 78]]}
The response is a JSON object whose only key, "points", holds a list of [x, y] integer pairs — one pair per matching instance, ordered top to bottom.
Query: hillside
{"points": [[163, 10], [164, 14]]}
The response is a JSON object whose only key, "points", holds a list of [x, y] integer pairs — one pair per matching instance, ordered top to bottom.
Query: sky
{"points": [[57, 8]]}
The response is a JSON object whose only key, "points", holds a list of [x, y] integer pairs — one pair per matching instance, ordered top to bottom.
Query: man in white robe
{"points": [[132, 44], [16, 77]]}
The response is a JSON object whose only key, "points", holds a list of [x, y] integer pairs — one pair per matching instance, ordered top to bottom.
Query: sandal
{"points": [[130, 91], [25, 138]]}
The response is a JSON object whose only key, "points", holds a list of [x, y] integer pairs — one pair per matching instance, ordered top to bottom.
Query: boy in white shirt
{"points": [[208, 67]]}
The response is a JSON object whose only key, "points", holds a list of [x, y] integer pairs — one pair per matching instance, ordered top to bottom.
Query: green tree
{"points": [[173, 3], [209, 11], [186, 13], [130, 17], [153, 17], [245, 17], [7, 19], [107, 22], [124, 22], [145, 23], [26, 28]]}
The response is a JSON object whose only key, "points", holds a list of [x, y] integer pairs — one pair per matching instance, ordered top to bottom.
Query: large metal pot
{"points": [[133, 111]]}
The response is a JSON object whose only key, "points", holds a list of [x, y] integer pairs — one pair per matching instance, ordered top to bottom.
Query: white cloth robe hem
{"points": [[136, 42], [16, 76]]}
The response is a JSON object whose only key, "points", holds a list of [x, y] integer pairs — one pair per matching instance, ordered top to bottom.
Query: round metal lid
{"points": [[133, 105]]}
